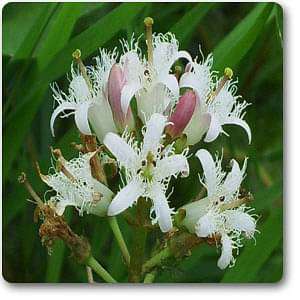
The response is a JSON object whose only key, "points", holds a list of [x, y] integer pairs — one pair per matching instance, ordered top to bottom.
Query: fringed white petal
{"points": [[165, 52], [184, 54], [132, 66], [132, 69], [202, 71], [199, 79], [190, 80], [171, 83], [79, 88], [127, 94], [153, 100], [61, 108], [81, 118], [101, 119], [240, 122], [197, 126], [214, 129], [153, 134], [124, 153], [171, 166], [210, 171], [234, 178], [126, 197], [161, 208], [240, 221], [207, 225], [226, 256]]}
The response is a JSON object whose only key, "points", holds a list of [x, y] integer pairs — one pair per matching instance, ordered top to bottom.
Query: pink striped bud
{"points": [[116, 82], [182, 114]]}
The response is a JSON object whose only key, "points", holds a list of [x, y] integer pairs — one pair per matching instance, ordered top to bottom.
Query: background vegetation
{"points": [[38, 39]]}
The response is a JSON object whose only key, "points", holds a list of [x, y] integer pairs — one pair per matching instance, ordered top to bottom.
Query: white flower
{"points": [[152, 84], [88, 104], [216, 111], [148, 169], [79, 189], [220, 213]]}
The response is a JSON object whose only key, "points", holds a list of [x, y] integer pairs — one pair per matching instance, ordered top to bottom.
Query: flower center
{"points": [[148, 166]]}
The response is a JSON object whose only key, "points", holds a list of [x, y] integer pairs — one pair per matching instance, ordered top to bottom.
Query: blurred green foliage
{"points": [[38, 39]]}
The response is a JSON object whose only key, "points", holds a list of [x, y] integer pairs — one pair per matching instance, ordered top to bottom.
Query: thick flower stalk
{"points": [[148, 169], [222, 214]]}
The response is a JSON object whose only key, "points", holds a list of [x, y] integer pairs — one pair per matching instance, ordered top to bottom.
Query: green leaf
{"points": [[279, 16], [23, 24], [187, 25], [59, 32], [53, 34], [93, 38], [88, 42], [238, 42], [265, 198], [252, 258]]}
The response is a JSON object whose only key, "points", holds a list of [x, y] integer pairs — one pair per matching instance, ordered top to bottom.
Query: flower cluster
{"points": [[141, 110]]}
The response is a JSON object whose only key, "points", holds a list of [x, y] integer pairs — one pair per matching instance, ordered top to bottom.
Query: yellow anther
{"points": [[148, 21], [76, 54], [228, 73]]}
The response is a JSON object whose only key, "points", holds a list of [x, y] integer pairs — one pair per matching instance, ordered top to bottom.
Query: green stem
{"points": [[119, 238], [139, 242], [178, 247], [156, 260], [94, 264], [149, 278]]}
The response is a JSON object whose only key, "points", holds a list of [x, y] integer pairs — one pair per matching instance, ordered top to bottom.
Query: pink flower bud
{"points": [[116, 82], [182, 114]]}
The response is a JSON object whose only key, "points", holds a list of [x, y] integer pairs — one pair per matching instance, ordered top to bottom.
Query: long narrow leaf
{"points": [[185, 27], [60, 32], [31, 40], [236, 44]]}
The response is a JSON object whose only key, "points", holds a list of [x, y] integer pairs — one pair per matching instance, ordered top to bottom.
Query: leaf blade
{"points": [[236, 44]]}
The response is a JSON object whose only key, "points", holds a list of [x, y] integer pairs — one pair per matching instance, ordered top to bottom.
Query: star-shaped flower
{"points": [[218, 104], [148, 169], [75, 186], [221, 213]]}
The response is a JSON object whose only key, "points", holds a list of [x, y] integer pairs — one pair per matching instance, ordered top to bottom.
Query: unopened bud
{"points": [[116, 82], [182, 114]]}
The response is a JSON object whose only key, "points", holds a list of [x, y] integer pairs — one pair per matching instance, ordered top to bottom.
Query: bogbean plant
{"points": [[146, 145]]}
